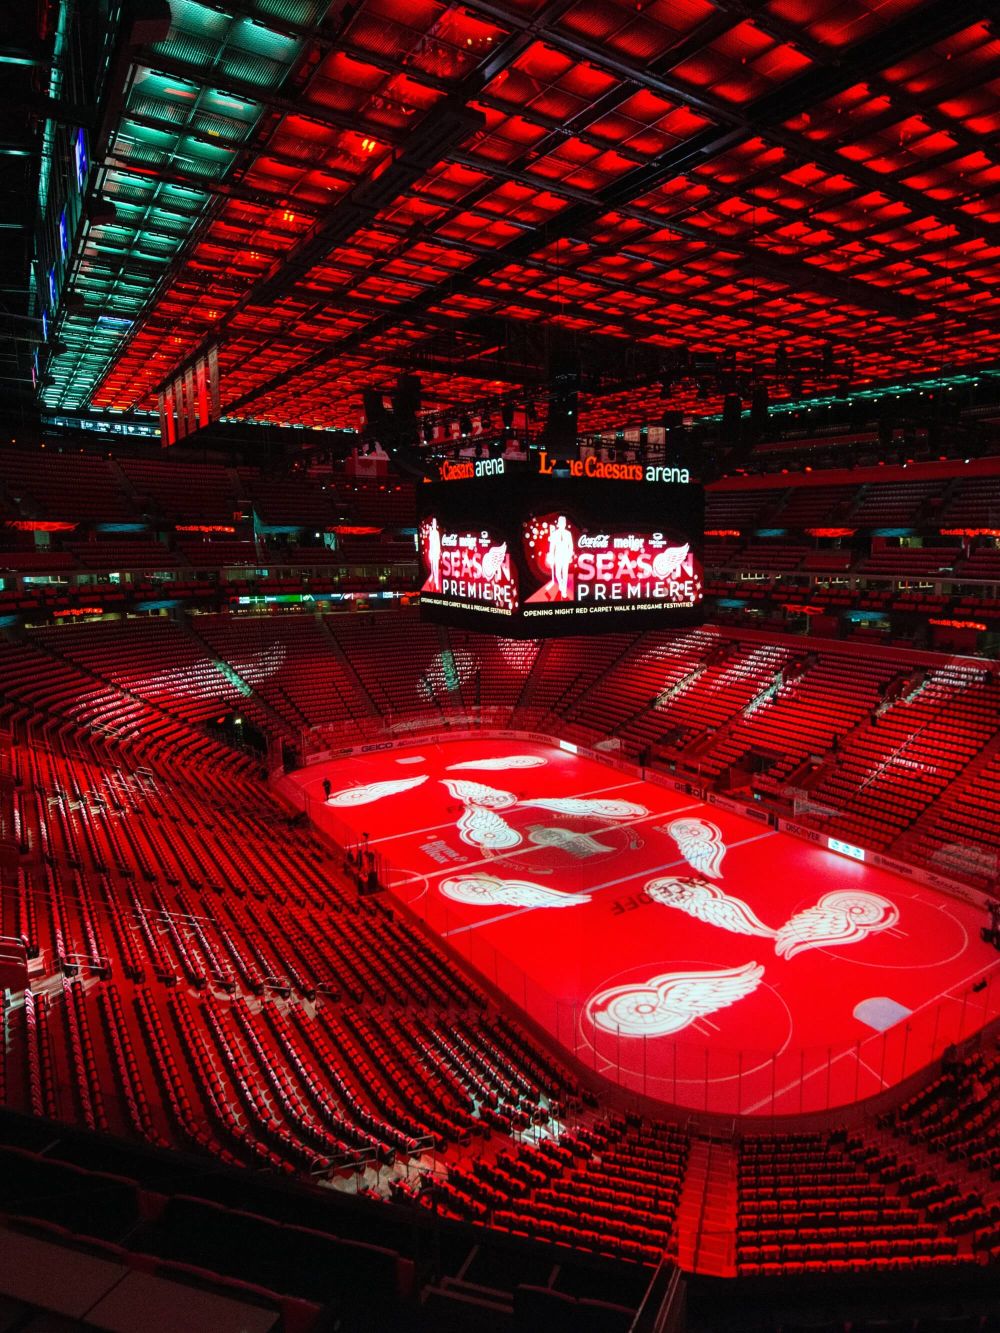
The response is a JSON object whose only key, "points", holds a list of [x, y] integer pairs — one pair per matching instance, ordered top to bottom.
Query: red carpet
{"points": [[760, 973]]}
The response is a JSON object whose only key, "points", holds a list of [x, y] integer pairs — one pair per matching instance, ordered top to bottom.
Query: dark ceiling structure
{"points": [[24, 63], [699, 196]]}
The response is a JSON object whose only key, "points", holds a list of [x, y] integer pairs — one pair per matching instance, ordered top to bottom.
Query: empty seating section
{"points": [[67, 488], [183, 492], [946, 501], [285, 502], [974, 503], [895, 504], [381, 505], [816, 506], [739, 509], [137, 515], [207, 535], [869, 536], [721, 552], [119, 555], [772, 555], [829, 560], [39, 561], [918, 562], [983, 563], [154, 660], [291, 664], [407, 666], [492, 672], [565, 676], [640, 686], [697, 697], [54, 700], [814, 705], [892, 757], [895, 768], [960, 834], [203, 974], [222, 987], [955, 1120], [612, 1189], [827, 1202]]}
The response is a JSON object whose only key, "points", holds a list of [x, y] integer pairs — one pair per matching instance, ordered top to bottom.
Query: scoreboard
{"points": [[542, 548]]}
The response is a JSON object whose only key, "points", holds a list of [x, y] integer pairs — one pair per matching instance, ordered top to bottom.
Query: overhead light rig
{"points": [[548, 412]]}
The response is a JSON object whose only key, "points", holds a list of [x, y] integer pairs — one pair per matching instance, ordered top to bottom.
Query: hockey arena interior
{"points": [[499, 690]]}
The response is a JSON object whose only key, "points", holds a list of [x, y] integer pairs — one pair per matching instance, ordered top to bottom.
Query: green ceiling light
{"points": [[174, 122], [877, 394]]}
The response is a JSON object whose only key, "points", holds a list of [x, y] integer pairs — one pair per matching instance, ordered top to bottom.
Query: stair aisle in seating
{"points": [[399, 659], [361, 690], [706, 1213]]}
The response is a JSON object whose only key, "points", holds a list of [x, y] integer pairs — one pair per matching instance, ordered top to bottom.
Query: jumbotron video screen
{"points": [[536, 549]]}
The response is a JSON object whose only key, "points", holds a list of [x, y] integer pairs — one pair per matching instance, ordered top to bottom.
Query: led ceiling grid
{"points": [[329, 190]]}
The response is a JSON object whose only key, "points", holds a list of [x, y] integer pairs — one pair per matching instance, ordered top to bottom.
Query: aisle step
{"points": [[706, 1214]]}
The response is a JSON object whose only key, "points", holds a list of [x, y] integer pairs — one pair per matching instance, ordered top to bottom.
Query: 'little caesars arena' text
{"points": [[597, 468], [602, 471]]}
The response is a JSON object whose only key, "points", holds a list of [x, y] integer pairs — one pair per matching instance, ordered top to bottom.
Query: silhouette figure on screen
{"points": [[434, 554], [561, 556]]}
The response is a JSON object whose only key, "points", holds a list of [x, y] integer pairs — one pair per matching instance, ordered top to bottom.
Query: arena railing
{"points": [[325, 740], [938, 850], [703, 1076], [729, 1080]]}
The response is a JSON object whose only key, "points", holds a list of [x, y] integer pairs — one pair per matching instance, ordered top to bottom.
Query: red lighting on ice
{"points": [[775, 944]]}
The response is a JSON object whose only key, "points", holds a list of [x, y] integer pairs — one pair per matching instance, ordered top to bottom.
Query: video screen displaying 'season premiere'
{"points": [[516, 550]]}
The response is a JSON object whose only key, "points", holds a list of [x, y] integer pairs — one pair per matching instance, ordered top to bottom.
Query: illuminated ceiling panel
{"points": [[337, 195]]}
